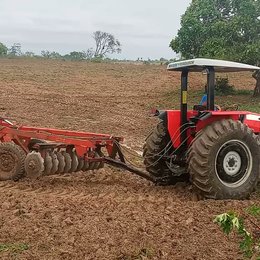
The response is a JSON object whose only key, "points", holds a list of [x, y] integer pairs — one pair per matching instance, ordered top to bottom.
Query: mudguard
{"points": [[173, 118]]}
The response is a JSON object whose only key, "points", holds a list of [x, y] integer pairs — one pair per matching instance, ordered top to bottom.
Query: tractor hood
{"points": [[198, 65]]}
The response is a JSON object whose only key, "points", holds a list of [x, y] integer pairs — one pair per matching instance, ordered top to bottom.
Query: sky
{"points": [[144, 27]]}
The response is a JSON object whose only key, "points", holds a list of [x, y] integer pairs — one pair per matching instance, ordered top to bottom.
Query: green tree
{"points": [[223, 29], [16, 49], [3, 50], [29, 54], [46, 54], [50, 55], [55, 55], [77, 55]]}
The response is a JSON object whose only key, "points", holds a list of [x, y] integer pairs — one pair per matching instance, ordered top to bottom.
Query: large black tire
{"points": [[153, 150], [12, 159], [224, 161]]}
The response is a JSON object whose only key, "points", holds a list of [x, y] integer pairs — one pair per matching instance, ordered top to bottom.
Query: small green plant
{"points": [[223, 87], [244, 92], [254, 211], [249, 243], [13, 248], [143, 254]]}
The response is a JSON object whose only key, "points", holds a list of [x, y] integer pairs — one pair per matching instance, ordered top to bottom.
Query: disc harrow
{"points": [[35, 152], [57, 162]]}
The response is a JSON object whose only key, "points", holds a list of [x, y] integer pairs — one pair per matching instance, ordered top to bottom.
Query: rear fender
{"points": [[173, 118], [252, 120]]}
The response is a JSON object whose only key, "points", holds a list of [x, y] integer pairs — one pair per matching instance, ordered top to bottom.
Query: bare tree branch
{"points": [[105, 44]]}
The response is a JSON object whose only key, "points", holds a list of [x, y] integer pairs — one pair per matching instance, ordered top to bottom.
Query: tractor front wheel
{"points": [[224, 161]]}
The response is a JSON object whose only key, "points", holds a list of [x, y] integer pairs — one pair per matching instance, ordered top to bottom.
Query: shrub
{"points": [[223, 87], [249, 242]]}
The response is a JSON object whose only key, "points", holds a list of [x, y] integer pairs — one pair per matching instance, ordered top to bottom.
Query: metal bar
{"points": [[210, 88], [184, 107], [68, 133], [55, 137], [120, 153], [130, 168]]}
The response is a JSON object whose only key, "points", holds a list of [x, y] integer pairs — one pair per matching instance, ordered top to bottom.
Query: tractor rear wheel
{"points": [[154, 149], [12, 159], [224, 160]]}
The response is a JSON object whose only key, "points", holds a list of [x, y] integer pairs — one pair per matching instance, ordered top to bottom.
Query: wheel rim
{"points": [[233, 163]]}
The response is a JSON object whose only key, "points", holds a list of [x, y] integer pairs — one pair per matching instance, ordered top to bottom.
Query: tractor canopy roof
{"points": [[198, 65]]}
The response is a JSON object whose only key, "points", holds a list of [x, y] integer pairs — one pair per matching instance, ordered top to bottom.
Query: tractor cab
{"points": [[210, 66]]}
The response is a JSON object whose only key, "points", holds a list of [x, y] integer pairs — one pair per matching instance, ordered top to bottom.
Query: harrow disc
{"points": [[61, 161], [67, 162], [74, 162], [55, 163], [47, 164], [80, 164], [101, 164], [34, 165], [96, 165], [86, 166], [91, 166]]}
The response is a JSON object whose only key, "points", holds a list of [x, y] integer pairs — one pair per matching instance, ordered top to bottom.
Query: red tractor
{"points": [[218, 151]]}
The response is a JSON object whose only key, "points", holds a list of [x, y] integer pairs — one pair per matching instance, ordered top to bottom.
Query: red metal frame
{"points": [[174, 122], [83, 142]]}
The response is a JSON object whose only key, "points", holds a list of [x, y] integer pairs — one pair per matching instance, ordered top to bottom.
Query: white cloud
{"points": [[145, 27]]}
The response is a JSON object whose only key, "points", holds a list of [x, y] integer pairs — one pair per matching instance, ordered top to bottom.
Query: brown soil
{"points": [[109, 214]]}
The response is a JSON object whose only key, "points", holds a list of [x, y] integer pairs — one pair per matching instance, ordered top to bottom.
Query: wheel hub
{"points": [[7, 162], [232, 163]]}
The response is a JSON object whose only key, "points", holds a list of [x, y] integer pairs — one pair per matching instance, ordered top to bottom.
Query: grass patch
{"points": [[243, 92], [13, 248], [143, 254]]}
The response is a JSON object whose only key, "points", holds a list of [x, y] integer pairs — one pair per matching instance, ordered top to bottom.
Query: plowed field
{"points": [[109, 214]]}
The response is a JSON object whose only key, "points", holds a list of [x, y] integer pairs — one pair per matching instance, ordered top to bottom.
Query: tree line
{"points": [[105, 44]]}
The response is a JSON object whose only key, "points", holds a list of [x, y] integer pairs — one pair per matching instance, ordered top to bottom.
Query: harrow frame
{"points": [[81, 141]]}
